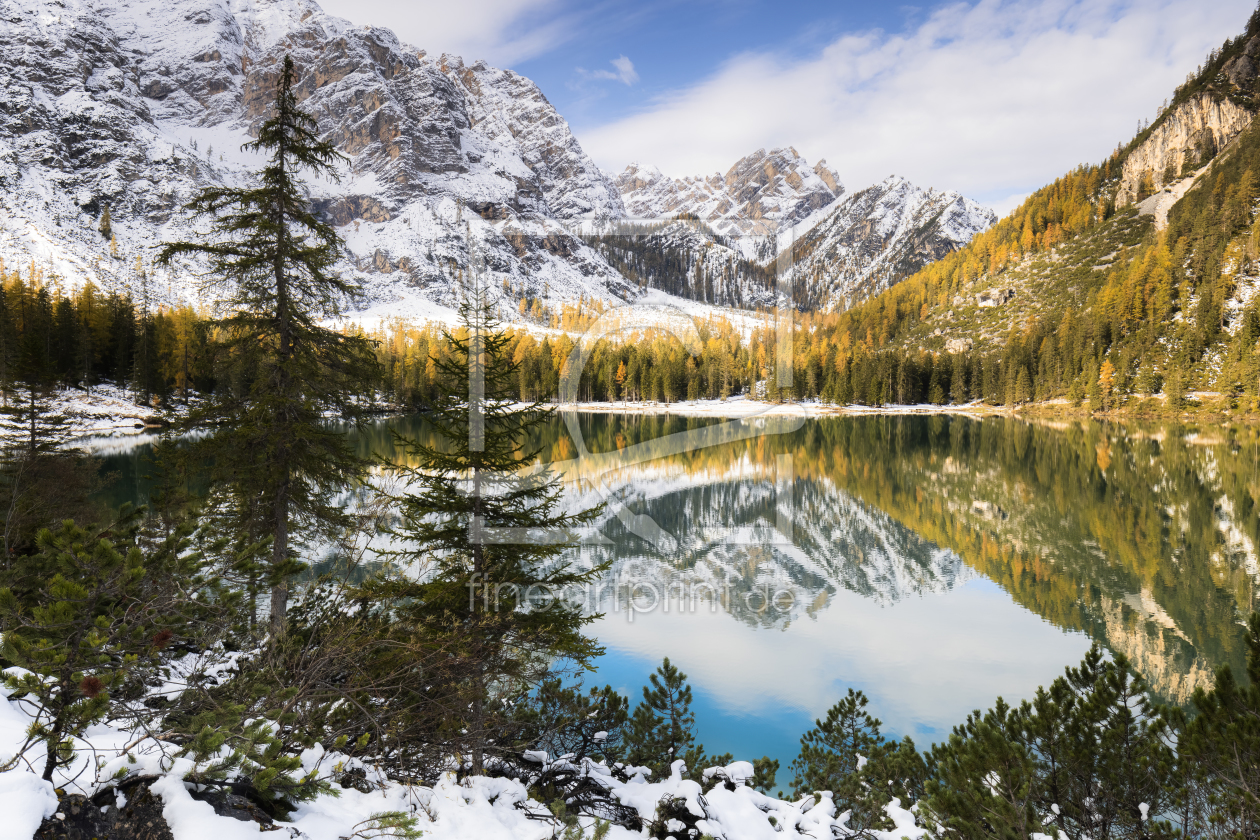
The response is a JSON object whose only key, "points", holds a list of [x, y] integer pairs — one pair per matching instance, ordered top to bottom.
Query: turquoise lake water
{"points": [[934, 563]]}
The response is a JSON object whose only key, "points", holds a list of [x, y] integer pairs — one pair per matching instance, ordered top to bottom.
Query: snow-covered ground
{"points": [[742, 407], [106, 411], [478, 808]]}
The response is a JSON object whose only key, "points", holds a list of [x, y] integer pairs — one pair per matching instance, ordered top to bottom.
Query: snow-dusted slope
{"points": [[137, 104], [759, 194], [873, 238], [688, 259]]}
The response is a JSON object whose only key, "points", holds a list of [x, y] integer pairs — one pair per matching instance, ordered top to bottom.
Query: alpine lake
{"points": [[934, 562]]}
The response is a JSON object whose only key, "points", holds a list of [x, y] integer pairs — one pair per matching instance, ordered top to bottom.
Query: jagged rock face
{"points": [[136, 104], [1194, 131], [1184, 139], [760, 194], [873, 238], [688, 259]]}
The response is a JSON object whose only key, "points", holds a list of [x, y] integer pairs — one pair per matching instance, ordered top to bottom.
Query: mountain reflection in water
{"points": [[933, 562]]}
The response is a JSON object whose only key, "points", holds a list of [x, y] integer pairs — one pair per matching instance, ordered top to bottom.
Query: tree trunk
{"points": [[280, 555], [479, 708], [59, 725]]}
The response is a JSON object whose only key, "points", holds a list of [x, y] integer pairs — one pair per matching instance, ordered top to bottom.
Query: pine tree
{"points": [[272, 255], [7, 342], [958, 382], [1174, 385], [1023, 391], [29, 417], [487, 528], [82, 615], [662, 727], [1220, 751], [845, 753], [1087, 757]]}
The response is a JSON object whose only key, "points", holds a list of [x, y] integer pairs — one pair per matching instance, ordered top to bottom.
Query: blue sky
{"points": [[674, 44], [990, 97]]}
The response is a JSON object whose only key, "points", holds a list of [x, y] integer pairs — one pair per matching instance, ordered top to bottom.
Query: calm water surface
{"points": [[935, 563]]}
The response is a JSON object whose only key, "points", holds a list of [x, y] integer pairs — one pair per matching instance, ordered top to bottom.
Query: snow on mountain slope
{"points": [[135, 105], [759, 194], [871, 239], [690, 260]]}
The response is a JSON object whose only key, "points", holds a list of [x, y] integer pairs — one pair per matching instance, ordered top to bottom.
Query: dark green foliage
{"points": [[272, 256], [42, 482], [489, 534], [84, 613], [342, 675], [565, 721], [662, 728], [845, 753], [1219, 753], [1082, 757], [764, 771], [985, 781]]}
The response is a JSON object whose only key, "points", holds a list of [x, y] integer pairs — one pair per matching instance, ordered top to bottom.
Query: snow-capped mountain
{"points": [[135, 105], [759, 194], [871, 239], [845, 247], [688, 259]]}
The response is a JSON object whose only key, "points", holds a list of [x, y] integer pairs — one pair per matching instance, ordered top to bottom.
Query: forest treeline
{"points": [[53, 336]]}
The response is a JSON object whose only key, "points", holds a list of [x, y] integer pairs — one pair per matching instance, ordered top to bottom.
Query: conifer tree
{"points": [[271, 260], [7, 343], [487, 529], [84, 613], [662, 727], [1220, 751], [845, 753], [1087, 757]]}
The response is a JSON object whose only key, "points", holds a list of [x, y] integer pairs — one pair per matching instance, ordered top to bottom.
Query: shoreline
{"points": [[1203, 407], [739, 408], [109, 412]]}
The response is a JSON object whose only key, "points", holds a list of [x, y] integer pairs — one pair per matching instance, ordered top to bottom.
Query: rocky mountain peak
{"points": [[138, 104], [828, 176], [758, 194], [869, 240]]}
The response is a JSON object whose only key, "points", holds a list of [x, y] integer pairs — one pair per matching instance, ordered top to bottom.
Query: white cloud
{"points": [[501, 31], [625, 72], [993, 99]]}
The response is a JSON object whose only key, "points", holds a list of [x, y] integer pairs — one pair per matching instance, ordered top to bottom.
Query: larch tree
{"points": [[270, 259]]}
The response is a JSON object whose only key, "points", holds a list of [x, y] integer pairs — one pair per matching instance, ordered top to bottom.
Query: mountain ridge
{"points": [[135, 105]]}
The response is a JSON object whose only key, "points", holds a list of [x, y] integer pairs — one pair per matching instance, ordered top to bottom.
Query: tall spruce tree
{"points": [[270, 258], [484, 529]]}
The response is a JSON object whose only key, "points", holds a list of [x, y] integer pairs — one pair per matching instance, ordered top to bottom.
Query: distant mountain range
{"points": [[135, 105], [759, 194]]}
